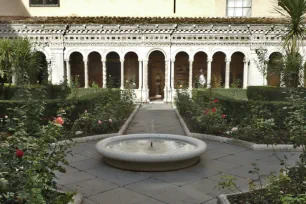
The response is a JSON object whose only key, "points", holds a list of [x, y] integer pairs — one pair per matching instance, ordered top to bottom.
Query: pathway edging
{"points": [[241, 143]]}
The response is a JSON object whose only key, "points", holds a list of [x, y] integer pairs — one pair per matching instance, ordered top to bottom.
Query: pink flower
{"points": [[214, 110], [206, 112], [223, 116], [59, 120], [110, 120], [100, 122], [19, 153]]}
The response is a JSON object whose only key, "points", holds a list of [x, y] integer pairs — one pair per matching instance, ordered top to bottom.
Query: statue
{"points": [[202, 80]]}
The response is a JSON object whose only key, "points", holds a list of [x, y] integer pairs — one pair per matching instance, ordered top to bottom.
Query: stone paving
{"points": [[102, 184]]}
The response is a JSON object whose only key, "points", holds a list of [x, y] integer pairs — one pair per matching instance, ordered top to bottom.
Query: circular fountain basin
{"points": [[151, 152]]}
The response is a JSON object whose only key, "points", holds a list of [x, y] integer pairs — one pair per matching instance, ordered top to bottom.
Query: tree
{"points": [[294, 11], [6, 59]]}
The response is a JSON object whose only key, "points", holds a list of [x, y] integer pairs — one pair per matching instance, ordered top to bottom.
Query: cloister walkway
{"points": [[102, 184]]}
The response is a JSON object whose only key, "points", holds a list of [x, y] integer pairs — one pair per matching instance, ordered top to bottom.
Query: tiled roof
{"points": [[136, 20]]}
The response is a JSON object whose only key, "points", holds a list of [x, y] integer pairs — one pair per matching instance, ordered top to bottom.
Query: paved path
{"points": [[155, 118], [102, 184]]}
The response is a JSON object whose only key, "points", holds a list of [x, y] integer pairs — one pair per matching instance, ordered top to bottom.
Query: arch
{"points": [[156, 49], [75, 50], [93, 50], [200, 50], [274, 50], [112, 51], [131, 51], [184, 51], [219, 51], [238, 51], [45, 52], [113, 66], [199, 67], [77, 69], [94, 69], [218, 69], [237, 69], [274, 69], [131, 70], [181, 70], [156, 74], [40, 76]]}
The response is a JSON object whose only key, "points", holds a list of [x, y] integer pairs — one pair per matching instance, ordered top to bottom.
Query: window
{"points": [[44, 2], [240, 8]]}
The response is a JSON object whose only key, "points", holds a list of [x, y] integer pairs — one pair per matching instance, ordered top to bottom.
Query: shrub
{"points": [[266, 93], [29, 156]]}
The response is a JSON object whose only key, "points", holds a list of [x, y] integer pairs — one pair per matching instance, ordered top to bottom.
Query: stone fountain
{"points": [[151, 152]]}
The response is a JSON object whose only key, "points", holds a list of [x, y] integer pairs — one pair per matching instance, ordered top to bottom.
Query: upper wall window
{"points": [[44, 2], [239, 8]]}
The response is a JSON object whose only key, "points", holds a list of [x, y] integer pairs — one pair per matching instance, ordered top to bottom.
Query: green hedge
{"points": [[53, 91], [268, 93], [238, 94], [239, 110]]}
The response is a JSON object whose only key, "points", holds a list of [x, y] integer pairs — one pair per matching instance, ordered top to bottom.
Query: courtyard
{"points": [[100, 183]]}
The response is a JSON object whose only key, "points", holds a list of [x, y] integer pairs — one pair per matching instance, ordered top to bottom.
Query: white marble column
{"points": [[209, 60], [68, 69], [86, 73], [227, 73], [245, 73], [104, 74], [122, 74], [140, 74], [169, 74], [172, 74], [190, 74], [145, 75], [302, 76], [282, 82], [166, 88]]}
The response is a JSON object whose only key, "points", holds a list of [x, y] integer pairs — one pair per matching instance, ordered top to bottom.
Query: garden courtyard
{"points": [[100, 183]]}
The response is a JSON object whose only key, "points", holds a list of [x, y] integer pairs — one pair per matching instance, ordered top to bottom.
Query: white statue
{"points": [[202, 80]]}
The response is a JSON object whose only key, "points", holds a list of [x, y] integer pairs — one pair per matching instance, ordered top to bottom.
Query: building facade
{"points": [[153, 55]]}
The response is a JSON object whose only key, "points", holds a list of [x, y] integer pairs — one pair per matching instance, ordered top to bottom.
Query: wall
{"points": [[144, 8]]}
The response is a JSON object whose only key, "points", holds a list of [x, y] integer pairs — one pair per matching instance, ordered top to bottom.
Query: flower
{"points": [[181, 86], [216, 100], [214, 110], [85, 111], [206, 112], [223, 116], [6, 117], [59, 120], [110, 120], [99, 122], [234, 129], [19, 153]]}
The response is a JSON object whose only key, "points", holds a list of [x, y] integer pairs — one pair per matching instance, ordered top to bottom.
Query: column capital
{"points": [[209, 59], [122, 60], [140, 60], [227, 60], [246, 60], [85, 61], [190, 61]]}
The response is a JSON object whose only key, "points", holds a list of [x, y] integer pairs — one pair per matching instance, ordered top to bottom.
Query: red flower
{"points": [[216, 101], [214, 110], [206, 112], [223, 116], [59, 121], [19, 153]]}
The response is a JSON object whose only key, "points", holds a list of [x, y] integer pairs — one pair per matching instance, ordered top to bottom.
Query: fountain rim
{"points": [[171, 157]]}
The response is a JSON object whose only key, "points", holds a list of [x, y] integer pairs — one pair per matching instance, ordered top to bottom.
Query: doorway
{"points": [[156, 75]]}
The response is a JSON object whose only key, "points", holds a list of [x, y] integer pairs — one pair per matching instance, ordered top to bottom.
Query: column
{"points": [[209, 60], [57, 65], [68, 66], [104, 72], [86, 73], [227, 73], [245, 73], [122, 74], [140, 74], [166, 74], [169, 74], [172, 74], [190, 74], [145, 75], [302, 76], [282, 82]]}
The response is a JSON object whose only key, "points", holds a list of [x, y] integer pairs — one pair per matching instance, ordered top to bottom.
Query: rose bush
{"points": [[29, 157]]}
